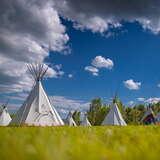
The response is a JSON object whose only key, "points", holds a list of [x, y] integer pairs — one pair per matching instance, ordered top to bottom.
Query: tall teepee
{"points": [[37, 109], [4, 117], [114, 117], [69, 120], [85, 121]]}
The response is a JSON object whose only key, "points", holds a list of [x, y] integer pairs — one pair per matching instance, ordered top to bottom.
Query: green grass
{"points": [[80, 143]]}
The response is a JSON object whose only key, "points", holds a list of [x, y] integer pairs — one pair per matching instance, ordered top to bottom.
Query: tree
{"points": [[156, 108], [97, 112], [133, 115], [128, 116]]}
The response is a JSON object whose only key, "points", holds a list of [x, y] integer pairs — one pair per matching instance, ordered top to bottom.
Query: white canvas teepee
{"points": [[37, 109], [149, 116], [114, 117], [5, 118], [158, 118], [69, 120], [85, 121]]}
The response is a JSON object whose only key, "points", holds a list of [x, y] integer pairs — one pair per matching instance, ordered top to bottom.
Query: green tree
{"points": [[156, 108], [97, 112], [133, 115]]}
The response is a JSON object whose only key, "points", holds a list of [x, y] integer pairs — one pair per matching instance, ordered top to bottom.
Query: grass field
{"points": [[80, 143]]}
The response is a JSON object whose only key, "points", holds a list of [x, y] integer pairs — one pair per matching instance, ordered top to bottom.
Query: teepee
{"points": [[37, 110], [149, 116], [4, 117], [114, 117], [158, 118], [69, 120], [85, 121]]}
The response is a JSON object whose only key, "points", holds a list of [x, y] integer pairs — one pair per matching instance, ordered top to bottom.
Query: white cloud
{"points": [[101, 16], [96, 24], [28, 30], [101, 62], [97, 63], [92, 69], [55, 72], [70, 75], [16, 78], [130, 84], [158, 85], [18, 96], [141, 99], [153, 100], [131, 103], [63, 104], [12, 107]]}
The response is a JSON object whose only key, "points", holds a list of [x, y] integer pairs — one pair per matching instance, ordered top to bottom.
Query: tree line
{"points": [[132, 115]]}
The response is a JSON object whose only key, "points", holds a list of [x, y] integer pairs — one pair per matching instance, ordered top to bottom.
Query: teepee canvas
{"points": [[37, 109], [149, 116], [4, 117], [114, 117], [158, 118], [69, 120], [85, 121]]}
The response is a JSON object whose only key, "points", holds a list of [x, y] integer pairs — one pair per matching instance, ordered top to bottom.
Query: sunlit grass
{"points": [[79, 143]]}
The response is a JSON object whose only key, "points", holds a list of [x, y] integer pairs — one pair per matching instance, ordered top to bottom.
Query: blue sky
{"points": [[92, 49], [135, 54]]}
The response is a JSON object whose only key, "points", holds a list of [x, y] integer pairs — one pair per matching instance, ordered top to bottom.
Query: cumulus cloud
{"points": [[100, 16], [96, 24], [28, 30], [101, 62], [97, 63], [92, 69], [54, 72], [70, 75], [14, 76], [132, 85], [20, 97], [141, 99], [153, 100], [131, 103], [63, 104]]}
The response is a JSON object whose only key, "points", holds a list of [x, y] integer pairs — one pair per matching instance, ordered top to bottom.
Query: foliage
{"points": [[156, 107], [97, 112], [132, 115], [78, 143]]}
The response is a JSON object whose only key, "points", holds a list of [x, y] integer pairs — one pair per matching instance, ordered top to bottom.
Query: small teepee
{"points": [[37, 110], [149, 116], [114, 117], [5, 118], [158, 118], [69, 120], [85, 121]]}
